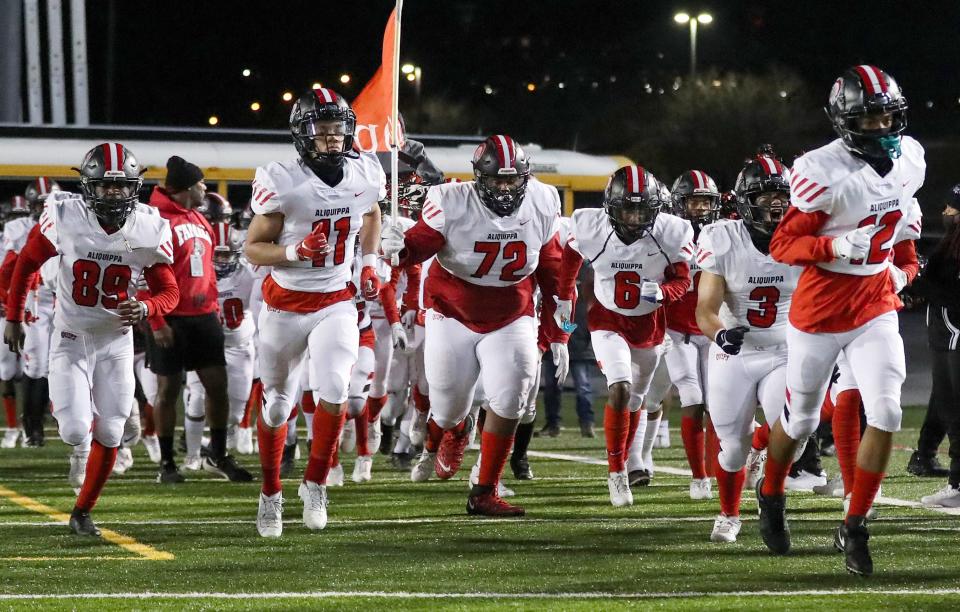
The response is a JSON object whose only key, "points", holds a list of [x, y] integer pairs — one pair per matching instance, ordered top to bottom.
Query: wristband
{"points": [[292, 253], [370, 259], [144, 310]]}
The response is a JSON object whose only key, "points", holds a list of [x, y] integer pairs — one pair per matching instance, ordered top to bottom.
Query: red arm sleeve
{"points": [[795, 242], [421, 243], [37, 250], [905, 258], [570, 263], [6, 272], [547, 273], [677, 282], [164, 293], [388, 297], [411, 297]]}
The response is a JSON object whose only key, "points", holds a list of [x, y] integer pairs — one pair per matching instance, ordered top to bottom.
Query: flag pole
{"points": [[395, 124]]}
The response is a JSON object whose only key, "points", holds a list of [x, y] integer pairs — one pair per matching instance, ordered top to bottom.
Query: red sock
{"points": [[420, 401], [254, 402], [307, 403], [10, 406], [373, 407], [826, 410], [294, 412], [360, 423], [634, 423], [149, 425], [616, 426], [691, 431], [326, 434], [846, 435], [434, 436], [761, 437], [494, 450], [712, 450], [271, 454], [335, 455], [99, 465], [774, 475], [730, 485], [865, 487]]}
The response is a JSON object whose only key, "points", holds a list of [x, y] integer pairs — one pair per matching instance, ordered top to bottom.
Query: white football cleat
{"points": [[418, 428], [374, 435], [663, 435], [348, 436], [10, 438], [245, 440], [152, 444], [756, 460], [124, 461], [193, 463], [362, 468], [423, 468], [78, 469], [335, 476], [804, 481], [619, 486], [833, 488], [700, 489], [314, 497], [947, 497], [871, 513], [270, 515], [725, 529]]}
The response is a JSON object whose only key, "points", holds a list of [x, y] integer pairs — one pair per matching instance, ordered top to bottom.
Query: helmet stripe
{"points": [[872, 79], [326, 95], [503, 151], [120, 156], [108, 161], [635, 179], [699, 182], [42, 183]]}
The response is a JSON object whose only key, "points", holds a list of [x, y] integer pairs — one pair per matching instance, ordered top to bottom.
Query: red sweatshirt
{"points": [[192, 235]]}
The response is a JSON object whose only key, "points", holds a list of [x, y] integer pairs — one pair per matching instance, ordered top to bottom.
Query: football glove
{"points": [[391, 240], [854, 244], [312, 248], [897, 276], [369, 283], [650, 291], [563, 315], [399, 337], [730, 340], [561, 359]]}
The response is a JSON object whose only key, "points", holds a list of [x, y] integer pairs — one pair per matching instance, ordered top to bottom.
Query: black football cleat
{"points": [[289, 460], [926, 465], [226, 467], [521, 467], [169, 474], [639, 478], [773, 521], [82, 524], [854, 534], [839, 538]]}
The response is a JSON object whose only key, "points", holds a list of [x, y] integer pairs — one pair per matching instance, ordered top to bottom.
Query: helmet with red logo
{"points": [[868, 111], [322, 113], [501, 171], [110, 178], [37, 192], [763, 193], [696, 198], [633, 199], [19, 207], [215, 208], [227, 247]]}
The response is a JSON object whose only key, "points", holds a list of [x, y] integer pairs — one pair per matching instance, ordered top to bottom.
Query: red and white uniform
{"points": [[14, 237], [479, 295], [758, 295], [842, 305], [310, 306], [38, 321], [627, 331], [91, 357], [687, 359], [363, 372]]}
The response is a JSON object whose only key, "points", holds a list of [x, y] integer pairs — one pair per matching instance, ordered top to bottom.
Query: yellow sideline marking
{"points": [[126, 542]]}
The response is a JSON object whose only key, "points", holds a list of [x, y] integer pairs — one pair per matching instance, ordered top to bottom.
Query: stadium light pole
{"points": [[685, 18]]}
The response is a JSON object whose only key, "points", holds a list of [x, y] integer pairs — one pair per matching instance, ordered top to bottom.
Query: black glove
{"points": [[730, 340]]}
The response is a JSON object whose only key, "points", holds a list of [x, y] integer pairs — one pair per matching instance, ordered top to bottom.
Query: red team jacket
{"points": [[191, 233]]}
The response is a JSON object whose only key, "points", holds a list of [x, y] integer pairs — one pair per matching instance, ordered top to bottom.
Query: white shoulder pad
{"points": [[912, 152], [269, 183], [432, 212], [914, 222], [676, 237]]}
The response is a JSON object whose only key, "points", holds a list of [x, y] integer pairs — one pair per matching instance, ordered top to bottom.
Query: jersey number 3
{"points": [[514, 255], [88, 290], [766, 315]]}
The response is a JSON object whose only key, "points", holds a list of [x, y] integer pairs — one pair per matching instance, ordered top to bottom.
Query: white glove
{"points": [[391, 240], [854, 244], [898, 276], [650, 291], [563, 315], [408, 318], [399, 336], [561, 359]]}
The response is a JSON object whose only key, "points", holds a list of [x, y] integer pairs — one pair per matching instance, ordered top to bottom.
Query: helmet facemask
{"points": [[323, 127], [503, 192], [111, 198], [700, 209], [767, 209], [632, 216], [225, 261]]}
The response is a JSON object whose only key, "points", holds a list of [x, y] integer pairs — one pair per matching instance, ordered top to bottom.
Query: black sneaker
{"points": [[586, 430], [548, 431], [386, 438], [34, 441], [289, 460], [401, 461], [926, 465], [226, 467], [521, 467], [169, 474], [639, 478], [773, 521], [82, 524], [854, 533]]}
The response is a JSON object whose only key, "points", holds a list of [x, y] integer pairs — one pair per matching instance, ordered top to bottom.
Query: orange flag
{"points": [[372, 106]]}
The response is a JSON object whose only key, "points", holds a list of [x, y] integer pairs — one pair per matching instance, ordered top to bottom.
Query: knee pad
{"points": [[334, 388], [635, 401], [396, 404], [355, 406], [505, 409], [275, 412], [885, 414], [529, 415], [446, 421], [799, 426], [131, 428], [109, 431], [75, 434], [733, 453]]}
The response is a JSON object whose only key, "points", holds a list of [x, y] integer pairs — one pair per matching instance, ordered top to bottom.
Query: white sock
{"points": [[653, 428], [291, 430], [194, 434], [635, 452]]}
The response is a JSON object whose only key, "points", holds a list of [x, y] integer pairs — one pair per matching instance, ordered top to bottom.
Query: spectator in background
{"points": [[940, 285], [190, 338], [582, 362]]}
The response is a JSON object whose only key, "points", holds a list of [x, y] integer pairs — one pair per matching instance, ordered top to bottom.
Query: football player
{"points": [[309, 212], [851, 225], [16, 227], [106, 239], [640, 261]]}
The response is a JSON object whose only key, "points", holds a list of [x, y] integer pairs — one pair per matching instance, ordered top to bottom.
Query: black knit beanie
{"points": [[181, 174]]}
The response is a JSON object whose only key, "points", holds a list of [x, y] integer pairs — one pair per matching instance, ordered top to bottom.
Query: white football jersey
{"points": [[832, 180], [306, 202], [15, 233], [483, 248], [620, 269], [100, 270], [385, 271], [759, 289], [233, 295]]}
